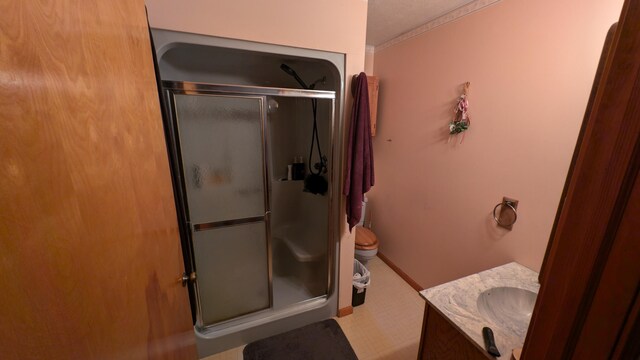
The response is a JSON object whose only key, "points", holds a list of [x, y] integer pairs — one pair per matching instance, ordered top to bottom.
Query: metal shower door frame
{"points": [[172, 88]]}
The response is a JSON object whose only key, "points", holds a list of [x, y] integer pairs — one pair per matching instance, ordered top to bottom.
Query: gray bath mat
{"points": [[319, 341]]}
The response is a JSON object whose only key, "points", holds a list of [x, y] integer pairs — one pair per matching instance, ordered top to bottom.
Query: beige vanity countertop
{"points": [[457, 301]]}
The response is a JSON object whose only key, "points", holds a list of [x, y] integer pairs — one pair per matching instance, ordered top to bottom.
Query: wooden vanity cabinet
{"points": [[440, 340]]}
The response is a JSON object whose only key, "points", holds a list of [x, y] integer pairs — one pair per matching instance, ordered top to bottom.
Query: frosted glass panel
{"points": [[222, 155], [231, 263]]}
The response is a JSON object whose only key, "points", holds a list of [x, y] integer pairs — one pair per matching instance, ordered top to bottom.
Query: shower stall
{"points": [[260, 240]]}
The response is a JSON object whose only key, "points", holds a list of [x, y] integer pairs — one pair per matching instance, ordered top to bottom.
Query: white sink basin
{"points": [[508, 307]]}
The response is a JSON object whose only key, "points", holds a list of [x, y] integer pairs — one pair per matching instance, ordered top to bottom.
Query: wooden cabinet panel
{"points": [[374, 86], [89, 248], [442, 341]]}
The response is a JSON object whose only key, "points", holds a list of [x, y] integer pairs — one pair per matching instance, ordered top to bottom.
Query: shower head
{"points": [[288, 70], [293, 73]]}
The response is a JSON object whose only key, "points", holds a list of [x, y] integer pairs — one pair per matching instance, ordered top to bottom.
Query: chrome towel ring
{"points": [[509, 205]]}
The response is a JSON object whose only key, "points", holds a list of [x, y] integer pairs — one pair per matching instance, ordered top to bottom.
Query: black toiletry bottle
{"points": [[298, 168]]}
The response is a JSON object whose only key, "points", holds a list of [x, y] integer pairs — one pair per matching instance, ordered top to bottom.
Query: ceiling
{"points": [[387, 19]]}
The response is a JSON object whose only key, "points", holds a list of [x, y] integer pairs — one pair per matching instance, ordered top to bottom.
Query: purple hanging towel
{"points": [[359, 177]]}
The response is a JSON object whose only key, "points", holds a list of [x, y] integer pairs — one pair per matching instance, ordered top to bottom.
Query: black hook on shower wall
{"points": [[295, 75], [322, 80]]}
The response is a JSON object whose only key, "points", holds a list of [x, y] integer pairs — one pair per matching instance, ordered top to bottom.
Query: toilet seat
{"points": [[365, 239]]}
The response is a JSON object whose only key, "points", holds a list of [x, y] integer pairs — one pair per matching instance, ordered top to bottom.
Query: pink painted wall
{"points": [[328, 25], [369, 57], [531, 65]]}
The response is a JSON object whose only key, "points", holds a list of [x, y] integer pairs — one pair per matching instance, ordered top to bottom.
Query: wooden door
{"points": [[89, 248], [588, 306]]}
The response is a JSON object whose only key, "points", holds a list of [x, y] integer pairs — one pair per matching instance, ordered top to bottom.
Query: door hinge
{"points": [[190, 278]]}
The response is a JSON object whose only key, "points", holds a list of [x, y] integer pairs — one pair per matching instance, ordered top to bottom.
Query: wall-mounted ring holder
{"points": [[508, 214]]}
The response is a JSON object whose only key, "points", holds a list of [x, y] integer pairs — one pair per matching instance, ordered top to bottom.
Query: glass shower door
{"points": [[223, 164]]}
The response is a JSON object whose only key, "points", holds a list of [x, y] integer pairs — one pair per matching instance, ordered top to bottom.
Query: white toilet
{"points": [[366, 241]]}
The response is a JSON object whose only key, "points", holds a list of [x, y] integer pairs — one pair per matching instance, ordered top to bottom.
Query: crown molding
{"points": [[446, 18]]}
